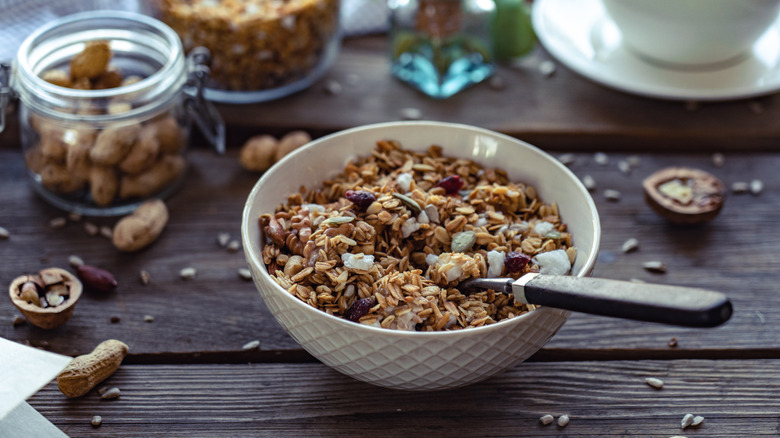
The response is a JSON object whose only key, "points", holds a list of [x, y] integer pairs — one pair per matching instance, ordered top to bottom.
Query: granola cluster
{"points": [[255, 44], [387, 241]]}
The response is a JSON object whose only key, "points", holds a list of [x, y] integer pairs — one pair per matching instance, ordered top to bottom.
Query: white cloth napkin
{"points": [[19, 18]]}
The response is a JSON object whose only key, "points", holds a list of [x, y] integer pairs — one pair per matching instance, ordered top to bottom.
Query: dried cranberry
{"points": [[451, 184], [361, 198], [516, 261], [359, 309]]}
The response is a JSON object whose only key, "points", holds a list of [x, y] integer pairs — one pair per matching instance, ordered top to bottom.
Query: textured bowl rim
{"points": [[255, 259]]}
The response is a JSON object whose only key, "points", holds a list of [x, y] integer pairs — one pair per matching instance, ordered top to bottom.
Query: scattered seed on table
{"points": [[547, 68], [497, 83], [333, 88], [756, 107], [410, 114], [601, 158], [567, 159], [718, 159], [633, 160], [624, 167], [589, 182], [739, 187], [756, 187], [612, 195], [74, 217], [58, 222], [91, 228], [107, 232], [4, 234], [223, 239], [630, 245], [233, 246], [75, 261], [654, 266], [188, 273], [245, 274], [145, 277], [148, 318], [115, 319], [19, 320], [672, 342], [251, 345], [654, 382], [102, 390], [110, 394], [546, 419], [97, 420], [563, 420], [686, 421], [697, 421]]}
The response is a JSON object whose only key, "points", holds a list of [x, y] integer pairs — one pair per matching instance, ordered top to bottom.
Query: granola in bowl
{"points": [[386, 242]]}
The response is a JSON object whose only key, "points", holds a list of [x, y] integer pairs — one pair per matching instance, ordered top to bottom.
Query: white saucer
{"points": [[581, 35]]}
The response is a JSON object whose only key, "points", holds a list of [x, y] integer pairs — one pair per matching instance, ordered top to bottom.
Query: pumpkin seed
{"points": [[411, 203], [463, 241]]}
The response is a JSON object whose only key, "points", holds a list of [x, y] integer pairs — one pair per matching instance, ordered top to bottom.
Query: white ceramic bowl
{"points": [[418, 360]]}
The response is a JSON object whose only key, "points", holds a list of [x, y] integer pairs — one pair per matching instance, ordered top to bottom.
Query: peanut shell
{"points": [[84, 372]]}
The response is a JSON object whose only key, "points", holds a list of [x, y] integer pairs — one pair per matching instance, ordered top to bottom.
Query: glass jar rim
{"points": [[27, 79]]}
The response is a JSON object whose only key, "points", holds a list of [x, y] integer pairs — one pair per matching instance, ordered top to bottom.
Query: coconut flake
{"points": [[404, 182], [432, 212], [423, 218], [481, 222], [409, 227], [543, 228], [431, 259], [358, 261], [495, 261], [553, 262]]}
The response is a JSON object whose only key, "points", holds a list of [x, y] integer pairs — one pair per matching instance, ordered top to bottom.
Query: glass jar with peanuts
{"points": [[107, 99]]}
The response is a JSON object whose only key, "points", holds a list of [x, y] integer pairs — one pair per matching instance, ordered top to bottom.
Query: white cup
{"points": [[697, 33]]}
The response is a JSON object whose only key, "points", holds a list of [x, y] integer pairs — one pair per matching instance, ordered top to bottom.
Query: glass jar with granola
{"points": [[263, 49], [106, 100]]}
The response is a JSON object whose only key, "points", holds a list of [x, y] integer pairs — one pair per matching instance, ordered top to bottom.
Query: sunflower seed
{"points": [[410, 114], [601, 158], [567, 159], [718, 159], [589, 182], [739, 187], [756, 187], [612, 195], [58, 222], [91, 228], [4, 234], [223, 239], [630, 245], [233, 246], [75, 261], [654, 266], [188, 273], [245, 274], [145, 277], [251, 345], [654, 382], [110, 394], [546, 419], [97, 420], [563, 420], [686, 421], [697, 421]]}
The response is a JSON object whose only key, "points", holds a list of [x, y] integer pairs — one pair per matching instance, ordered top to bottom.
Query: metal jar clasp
{"points": [[6, 92], [201, 111]]}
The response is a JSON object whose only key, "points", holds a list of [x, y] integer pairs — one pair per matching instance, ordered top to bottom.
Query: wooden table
{"points": [[187, 374]]}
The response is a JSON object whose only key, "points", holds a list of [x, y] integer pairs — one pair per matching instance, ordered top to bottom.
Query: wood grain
{"points": [[209, 318], [736, 398]]}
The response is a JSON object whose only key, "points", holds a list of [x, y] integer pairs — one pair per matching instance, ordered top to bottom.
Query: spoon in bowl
{"points": [[677, 305]]}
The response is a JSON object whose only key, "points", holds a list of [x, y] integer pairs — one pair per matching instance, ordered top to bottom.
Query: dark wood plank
{"points": [[565, 111], [209, 318], [736, 398]]}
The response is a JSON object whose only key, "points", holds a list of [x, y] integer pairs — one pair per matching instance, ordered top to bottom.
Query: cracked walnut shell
{"points": [[25, 293]]}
